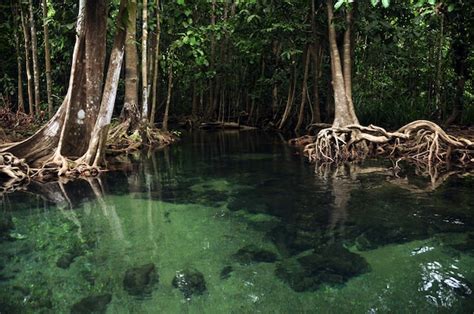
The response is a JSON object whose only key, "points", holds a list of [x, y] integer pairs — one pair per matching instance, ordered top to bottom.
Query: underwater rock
{"points": [[252, 254], [334, 259], [65, 260], [332, 264], [226, 271], [291, 272], [139, 281], [189, 282], [92, 304]]}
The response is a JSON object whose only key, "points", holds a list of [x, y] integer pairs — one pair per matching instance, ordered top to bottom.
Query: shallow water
{"points": [[267, 233]]}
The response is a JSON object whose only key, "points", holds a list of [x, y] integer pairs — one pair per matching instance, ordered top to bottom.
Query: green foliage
{"points": [[257, 45]]}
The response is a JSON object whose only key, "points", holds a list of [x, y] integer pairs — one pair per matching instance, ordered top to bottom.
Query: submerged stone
{"points": [[252, 254], [65, 260], [332, 264], [226, 271], [291, 272], [139, 281], [189, 282], [92, 304]]}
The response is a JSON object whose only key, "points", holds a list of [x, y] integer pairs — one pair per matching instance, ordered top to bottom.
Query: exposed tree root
{"points": [[120, 141], [421, 141], [14, 173]]}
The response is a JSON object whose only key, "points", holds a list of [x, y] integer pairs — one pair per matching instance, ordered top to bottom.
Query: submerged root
{"points": [[422, 142]]}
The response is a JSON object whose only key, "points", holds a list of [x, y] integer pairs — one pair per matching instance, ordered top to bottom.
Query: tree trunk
{"points": [[276, 49], [34, 52], [316, 52], [47, 59], [144, 61], [347, 65], [156, 67], [29, 77], [304, 89], [168, 98], [290, 99], [21, 103], [344, 109], [130, 111], [68, 132], [95, 152]]}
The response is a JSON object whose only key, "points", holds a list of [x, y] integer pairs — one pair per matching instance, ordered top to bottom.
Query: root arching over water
{"points": [[421, 141]]}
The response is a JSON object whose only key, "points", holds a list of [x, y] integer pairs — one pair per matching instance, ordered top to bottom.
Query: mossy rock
{"points": [[332, 264], [139, 281], [190, 282]]}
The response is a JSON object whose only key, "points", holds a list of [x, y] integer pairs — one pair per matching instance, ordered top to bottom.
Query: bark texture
{"points": [[144, 61], [156, 67], [344, 108], [130, 110], [68, 132]]}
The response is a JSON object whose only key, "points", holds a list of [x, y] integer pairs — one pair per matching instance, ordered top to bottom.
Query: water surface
{"points": [[239, 223]]}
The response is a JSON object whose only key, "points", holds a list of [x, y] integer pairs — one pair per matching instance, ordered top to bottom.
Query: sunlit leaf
{"points": [[338, 4]]}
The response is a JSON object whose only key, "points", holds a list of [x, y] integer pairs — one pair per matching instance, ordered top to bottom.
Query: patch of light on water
{"points": [[421, 250], [442, 285]]}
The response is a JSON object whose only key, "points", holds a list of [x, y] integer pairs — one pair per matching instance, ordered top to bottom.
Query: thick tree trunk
{"points": [[34, 52], [47, 59], [144, 60], [347, 65], [156, 67], [29, 77], [304, 89], [168, 98], [344, 109], [130, 111], [68, 132], [95, 151]]}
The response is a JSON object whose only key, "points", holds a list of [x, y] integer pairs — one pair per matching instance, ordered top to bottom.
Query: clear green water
{"points": [[351, 241]]}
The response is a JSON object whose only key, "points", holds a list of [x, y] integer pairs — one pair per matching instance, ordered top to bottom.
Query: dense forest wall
{"points": [[257, 62]]}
